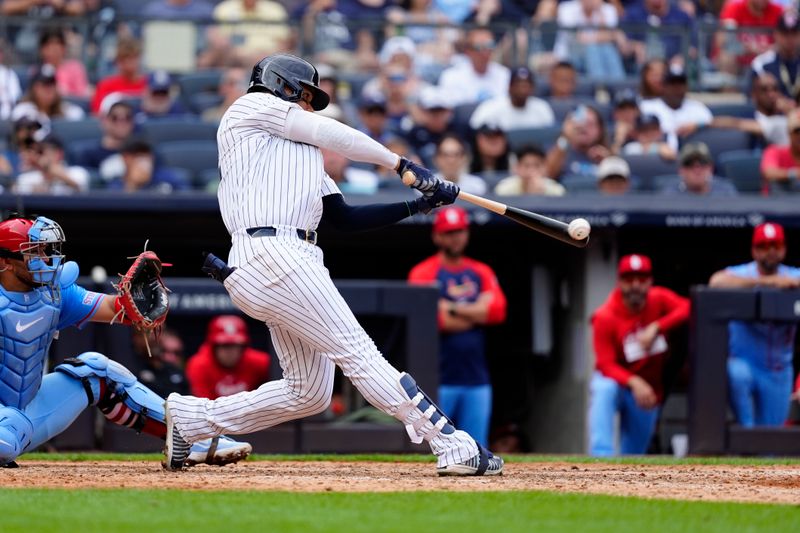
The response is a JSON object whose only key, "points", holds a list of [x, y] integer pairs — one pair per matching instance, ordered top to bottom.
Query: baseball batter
{"points": [[272, 196]]}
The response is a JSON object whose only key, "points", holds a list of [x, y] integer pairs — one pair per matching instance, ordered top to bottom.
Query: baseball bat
{"points": [[545, 225]]}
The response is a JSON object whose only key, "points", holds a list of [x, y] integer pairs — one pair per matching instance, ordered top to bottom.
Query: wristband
{"points": [[562, 143]]}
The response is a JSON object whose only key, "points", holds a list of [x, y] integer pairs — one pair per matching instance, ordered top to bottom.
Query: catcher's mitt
{"points": [[142, 299]]}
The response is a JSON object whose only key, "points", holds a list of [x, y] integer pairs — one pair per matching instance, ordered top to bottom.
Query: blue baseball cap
{"points": [[159, 81]]}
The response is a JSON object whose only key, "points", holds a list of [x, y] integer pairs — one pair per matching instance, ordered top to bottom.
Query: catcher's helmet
{"points": [[275, 73], [13, 233]]}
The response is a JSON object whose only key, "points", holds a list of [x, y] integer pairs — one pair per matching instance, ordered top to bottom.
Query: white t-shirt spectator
{"points": [[572, 15], [465, 86], [10, 91], [28, 109], [690, 112], [536, 114], [774, 127], [29, 182], [469, 183]]}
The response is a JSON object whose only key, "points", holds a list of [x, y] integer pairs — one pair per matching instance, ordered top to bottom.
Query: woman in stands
{"points": [[43, 102]]}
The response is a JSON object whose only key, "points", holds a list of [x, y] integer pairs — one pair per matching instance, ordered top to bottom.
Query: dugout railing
{"points": [[710, 430]]}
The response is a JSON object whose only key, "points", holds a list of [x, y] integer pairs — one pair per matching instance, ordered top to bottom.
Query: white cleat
{"points": [[218, 451], [483, 464]]}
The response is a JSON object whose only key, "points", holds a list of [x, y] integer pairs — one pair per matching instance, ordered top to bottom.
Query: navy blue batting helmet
{"points": [[279, 72]]}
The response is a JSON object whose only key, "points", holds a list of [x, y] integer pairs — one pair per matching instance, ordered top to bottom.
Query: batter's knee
{"points": [[312, 398], [16, 431]]}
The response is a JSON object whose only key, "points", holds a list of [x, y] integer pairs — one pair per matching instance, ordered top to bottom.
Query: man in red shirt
{"points": [[738, 14], [129, 81], [780, 164], [630, 349], [225, 364]]}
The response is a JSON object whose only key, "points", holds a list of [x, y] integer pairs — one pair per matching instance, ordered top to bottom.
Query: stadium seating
{"points": [[196, 83], [563, 107], [740, 110], [460, 121], [6, 129], [170, 129], [70, 131], [544, 137], [721, 140], [192, 156], [646, 167], [743, 169], [659, 183], [579, 184]]}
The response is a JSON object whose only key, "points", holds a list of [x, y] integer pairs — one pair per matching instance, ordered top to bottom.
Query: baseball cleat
{"points": [[176, 450], [218, 451], [483, 464]]}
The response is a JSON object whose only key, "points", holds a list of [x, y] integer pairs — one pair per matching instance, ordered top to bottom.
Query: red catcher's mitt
{"points": [[143, 300]]}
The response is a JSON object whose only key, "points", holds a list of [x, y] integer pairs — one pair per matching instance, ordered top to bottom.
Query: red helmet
{"points": [[13, 233], [227, 329]]}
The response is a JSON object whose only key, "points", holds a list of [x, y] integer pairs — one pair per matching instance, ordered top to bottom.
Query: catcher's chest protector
{"points": [[27, 326]]}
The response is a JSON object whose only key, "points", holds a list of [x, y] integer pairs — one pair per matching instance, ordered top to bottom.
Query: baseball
{"points": [[579, 229], [99, 274]]}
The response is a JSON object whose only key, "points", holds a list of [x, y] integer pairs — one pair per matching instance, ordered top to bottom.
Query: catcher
{"points": [[39, 297]]}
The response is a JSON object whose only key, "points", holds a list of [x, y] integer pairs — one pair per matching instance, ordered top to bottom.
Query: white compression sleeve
{"points": [[310, 128]]}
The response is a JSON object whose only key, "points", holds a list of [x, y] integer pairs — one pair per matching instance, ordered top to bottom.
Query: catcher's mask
{"points": [[42, 251]]}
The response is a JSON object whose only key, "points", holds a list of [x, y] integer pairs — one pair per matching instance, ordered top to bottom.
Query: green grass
{"points": [[415, 458], [137, 511]]}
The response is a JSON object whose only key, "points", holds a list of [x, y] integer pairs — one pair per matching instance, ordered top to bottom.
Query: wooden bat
{"points": [[546, 225]]}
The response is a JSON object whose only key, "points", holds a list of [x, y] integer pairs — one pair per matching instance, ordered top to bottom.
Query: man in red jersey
{"points": [[741, 15], [129, 81], [469, 298], [630, 349], [225, 364]]}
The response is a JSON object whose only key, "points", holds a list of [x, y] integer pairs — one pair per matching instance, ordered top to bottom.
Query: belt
{"points": [[269, 231]]}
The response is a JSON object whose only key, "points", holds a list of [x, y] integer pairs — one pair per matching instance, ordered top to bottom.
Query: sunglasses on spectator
{"points": [[482, 47]]}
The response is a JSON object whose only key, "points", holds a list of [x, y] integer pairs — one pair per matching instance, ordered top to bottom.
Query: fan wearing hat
{"points": [[783, 60], [42, 100], [158, 100], [519, 109], [624, 116], [679, 116], [649, 139], [696, 169], [50, 174], [613, 176], [470, 298], [631, 347], [760, 354], [225, 363]]}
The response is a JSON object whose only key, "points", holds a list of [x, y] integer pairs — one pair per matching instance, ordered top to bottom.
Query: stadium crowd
{"points": [[502, 96]]}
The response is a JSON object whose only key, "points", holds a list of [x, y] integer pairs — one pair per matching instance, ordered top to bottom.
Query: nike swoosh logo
{"points": [[20, 328]]}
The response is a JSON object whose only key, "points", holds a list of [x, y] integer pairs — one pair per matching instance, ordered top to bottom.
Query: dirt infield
{"points": [[764, 484]]}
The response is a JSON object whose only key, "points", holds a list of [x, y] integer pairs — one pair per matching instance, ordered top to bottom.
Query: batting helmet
{"points": [[278, 72], [227, 329]]}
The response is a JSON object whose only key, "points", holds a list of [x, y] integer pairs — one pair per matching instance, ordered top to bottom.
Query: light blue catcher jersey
{"points": [[28, 323]]}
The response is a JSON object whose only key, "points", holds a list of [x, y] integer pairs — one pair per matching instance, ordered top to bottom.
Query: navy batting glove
{"points": [[425, 180], [445, 194]]}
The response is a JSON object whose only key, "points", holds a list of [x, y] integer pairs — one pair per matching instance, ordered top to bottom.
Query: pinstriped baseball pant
{"points": [[282, 281]]}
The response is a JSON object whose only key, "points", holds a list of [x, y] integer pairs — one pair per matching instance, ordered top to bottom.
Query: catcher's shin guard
{"points": [[117, 393], [422, 417]]}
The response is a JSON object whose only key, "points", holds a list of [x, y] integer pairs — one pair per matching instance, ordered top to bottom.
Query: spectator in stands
{"points": [[47, 8], [197, 10], [474, 11], [416, 19], [260, 27], [663, 39], [595, 47], [737, 47], [783, 61], [71, 78], [479, 78], [129, 80], [563, 80], [329, 82], [396, 82], [232, 85], [651, 86], [10, 88], [158, 100], [43, 101], [518, 109], [435, 114], [679, 116], [624, 117], [373, 118], [768, 122], [117, 126], [27, 132], [649, 140], [581, 146], [490, 149], [452, 161], [780, 164], [696, 169], [141, 172], [50, 173], [529, 176], [613, 176], [349, 178], [469, 299], [630, 345], [760, 353], [225, 363], [160, 367]]}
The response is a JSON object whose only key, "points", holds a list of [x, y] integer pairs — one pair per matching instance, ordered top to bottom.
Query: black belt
{"points": [[269, 231]]}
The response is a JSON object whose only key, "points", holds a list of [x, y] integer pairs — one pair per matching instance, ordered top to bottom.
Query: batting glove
{"points": [[425, 181], [445, 194]]}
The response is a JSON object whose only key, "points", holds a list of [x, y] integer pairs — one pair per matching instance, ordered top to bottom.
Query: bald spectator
{"points": [[479, 78], [129, 80], [518, 109]]}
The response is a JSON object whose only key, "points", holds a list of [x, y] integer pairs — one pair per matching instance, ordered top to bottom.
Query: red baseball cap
{"points": [[450, 219], [768, 232], [635, 264], [227, 329]]}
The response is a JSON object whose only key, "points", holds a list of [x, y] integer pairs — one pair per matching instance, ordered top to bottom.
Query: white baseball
{"points": [[579, 229], [99, 274]]}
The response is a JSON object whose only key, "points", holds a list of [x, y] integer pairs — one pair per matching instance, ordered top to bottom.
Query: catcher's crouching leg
{"points": [[126, 402]]}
